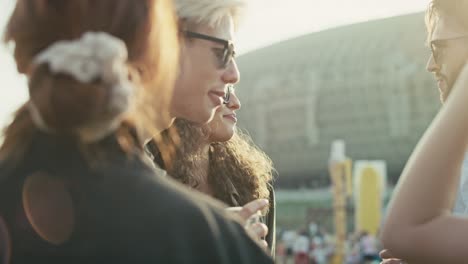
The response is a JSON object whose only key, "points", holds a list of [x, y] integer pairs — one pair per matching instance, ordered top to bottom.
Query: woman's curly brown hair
{"points": [[238, 160]]}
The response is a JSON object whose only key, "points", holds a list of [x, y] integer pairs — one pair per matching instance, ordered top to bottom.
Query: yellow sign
{"points": [[368, 199]]}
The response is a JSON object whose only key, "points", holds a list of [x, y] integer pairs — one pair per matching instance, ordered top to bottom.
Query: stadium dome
{"points": [[364, 83]]}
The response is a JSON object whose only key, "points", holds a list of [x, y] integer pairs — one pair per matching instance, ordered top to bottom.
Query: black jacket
{"points": [[123, 212]]}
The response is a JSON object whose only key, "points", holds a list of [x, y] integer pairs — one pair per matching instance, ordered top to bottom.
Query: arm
{"points": [[420, 227]]}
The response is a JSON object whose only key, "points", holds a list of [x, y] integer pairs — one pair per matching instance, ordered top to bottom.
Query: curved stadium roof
{"points": [[364, 83]]}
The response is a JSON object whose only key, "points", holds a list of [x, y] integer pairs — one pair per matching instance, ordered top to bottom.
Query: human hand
{"points": [[250, 217], [388, 258]]}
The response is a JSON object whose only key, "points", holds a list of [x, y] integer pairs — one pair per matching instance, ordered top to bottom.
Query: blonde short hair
{"points": [[457, 9], [209, 12]]}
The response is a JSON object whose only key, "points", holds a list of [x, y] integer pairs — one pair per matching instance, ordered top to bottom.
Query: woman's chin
{"points": [[222, 137]]}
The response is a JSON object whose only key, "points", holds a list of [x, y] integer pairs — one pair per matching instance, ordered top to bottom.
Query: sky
{"points": [[270, 21], [265, 22]]}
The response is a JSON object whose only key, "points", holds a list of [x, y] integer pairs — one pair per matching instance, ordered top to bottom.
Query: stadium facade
{"points": [[364, 83]]}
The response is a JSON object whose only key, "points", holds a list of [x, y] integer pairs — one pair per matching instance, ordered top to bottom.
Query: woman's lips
{"points": [[231, 117]]}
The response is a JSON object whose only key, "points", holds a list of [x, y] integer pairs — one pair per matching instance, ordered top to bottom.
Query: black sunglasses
{"points": [[438, 47], [228, 51]]}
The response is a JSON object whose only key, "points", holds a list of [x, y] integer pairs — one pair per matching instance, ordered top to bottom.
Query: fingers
{"points": [[252, 208], [255, 229], [258, 231], [263, 244], [386, 254], [389, 258], [392, 261]]}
